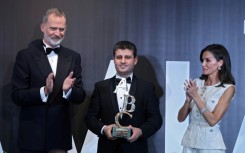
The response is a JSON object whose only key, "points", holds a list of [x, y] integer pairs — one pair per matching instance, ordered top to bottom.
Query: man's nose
{"points": [[57, 32], [123, 60]]}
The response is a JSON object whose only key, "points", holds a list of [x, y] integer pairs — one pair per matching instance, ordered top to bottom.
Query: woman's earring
{"points": [[219, 68]]}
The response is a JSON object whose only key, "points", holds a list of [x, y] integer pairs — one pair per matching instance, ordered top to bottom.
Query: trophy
{"points": [[122, 131]]}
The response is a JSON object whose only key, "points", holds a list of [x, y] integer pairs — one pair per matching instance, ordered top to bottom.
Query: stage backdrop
{"points": [[163, 30]]}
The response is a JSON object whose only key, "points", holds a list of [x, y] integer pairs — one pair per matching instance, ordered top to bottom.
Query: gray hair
{"points": [[55, 11]]}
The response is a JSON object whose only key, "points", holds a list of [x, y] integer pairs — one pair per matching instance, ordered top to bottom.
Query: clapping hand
{"points": [[68, 82], [48, 89], [191, 89]]}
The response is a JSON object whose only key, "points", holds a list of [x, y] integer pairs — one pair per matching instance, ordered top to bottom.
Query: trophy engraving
{"points": [[122, 131]]}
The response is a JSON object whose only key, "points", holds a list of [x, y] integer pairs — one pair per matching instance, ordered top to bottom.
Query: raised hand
{"points": [[68, 82], [48, 89], [191, 89], [188, 96]]}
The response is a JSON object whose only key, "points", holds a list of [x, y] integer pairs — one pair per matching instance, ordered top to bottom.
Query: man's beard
{"points": [[52, 42]]}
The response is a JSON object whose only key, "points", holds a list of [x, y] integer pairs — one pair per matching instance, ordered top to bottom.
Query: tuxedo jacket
{"points": [[104, 106], [45, 126]]}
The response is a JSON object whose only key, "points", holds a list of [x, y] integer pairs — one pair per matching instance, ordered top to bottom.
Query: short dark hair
{"points": [[125, 45], [220, 53]]}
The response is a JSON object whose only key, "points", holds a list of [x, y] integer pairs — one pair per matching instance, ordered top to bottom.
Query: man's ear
{"points": [[42, 27], [135, 60]]}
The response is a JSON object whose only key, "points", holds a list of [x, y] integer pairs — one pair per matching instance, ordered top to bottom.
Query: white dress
{"points": [[199, 134]]}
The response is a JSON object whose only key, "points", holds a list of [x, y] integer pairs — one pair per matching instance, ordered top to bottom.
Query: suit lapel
{"points": [[41, 59], [64, 62], [132, 90], [113, 95]]}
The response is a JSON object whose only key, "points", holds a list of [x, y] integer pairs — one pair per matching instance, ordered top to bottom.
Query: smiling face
{"points": [[54, 30], [124, 61], [210, 65]]}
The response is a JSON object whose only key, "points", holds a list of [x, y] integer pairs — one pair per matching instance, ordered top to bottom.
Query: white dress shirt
{"points": [[53, 60]]}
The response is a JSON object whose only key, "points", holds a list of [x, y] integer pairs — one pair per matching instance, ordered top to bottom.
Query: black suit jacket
{"points": [[103, 108], [45, 126]]}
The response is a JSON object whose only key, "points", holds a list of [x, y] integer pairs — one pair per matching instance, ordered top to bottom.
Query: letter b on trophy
{"points": [[122, 131]]}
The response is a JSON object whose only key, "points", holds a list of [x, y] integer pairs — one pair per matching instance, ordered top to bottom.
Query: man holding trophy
{"points": [[124, 110]]}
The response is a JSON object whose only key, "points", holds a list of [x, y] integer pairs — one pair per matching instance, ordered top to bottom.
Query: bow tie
{"points": [[49, 50], [128, 79]]}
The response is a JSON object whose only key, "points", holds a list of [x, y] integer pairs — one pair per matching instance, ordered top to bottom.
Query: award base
{"points": [[121, 132]]}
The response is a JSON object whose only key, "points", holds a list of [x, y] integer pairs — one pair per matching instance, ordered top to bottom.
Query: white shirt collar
{"points": [[131, 76]]}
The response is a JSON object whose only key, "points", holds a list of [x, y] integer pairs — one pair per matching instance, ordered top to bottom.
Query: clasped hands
{"points": [[67, 84], [191, 89], [136, 132]]}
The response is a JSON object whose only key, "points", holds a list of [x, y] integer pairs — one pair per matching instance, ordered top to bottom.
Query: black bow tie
{"points": [[49, 50], [128, 79]]}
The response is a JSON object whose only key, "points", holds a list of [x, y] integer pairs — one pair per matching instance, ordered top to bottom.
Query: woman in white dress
{"points": [[207, 100]]}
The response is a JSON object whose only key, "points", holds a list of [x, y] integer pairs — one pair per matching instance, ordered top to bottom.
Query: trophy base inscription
{"points": [[121, 132]]}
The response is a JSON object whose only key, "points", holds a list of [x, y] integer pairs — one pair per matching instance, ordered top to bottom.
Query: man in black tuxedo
{"points": [[46, 80], [105, 104]]}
